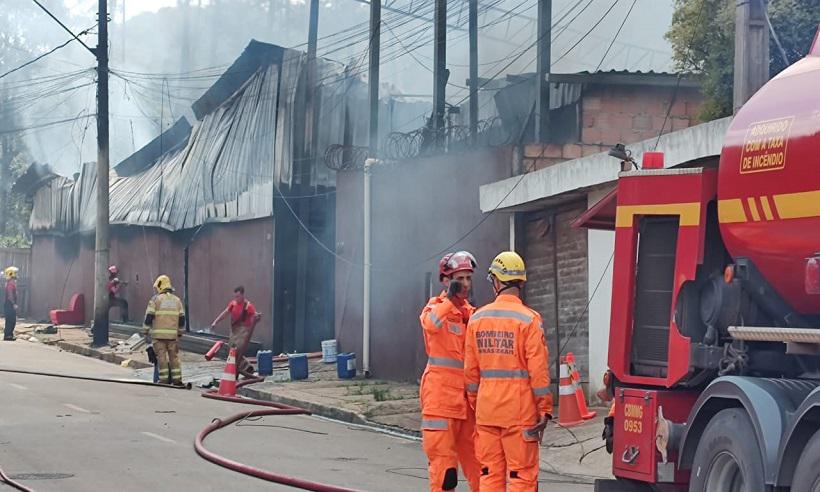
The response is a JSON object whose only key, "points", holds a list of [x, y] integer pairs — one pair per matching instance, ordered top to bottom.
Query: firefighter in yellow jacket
{"points": [[164, 322]]}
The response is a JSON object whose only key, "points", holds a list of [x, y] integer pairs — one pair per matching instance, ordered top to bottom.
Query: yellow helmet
{"points": [[508, 266], [10, 272], [162, 283]]}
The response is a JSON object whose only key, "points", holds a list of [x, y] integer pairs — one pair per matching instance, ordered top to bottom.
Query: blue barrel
{"points": [[264, 359], [298, 365], [346, 365]]}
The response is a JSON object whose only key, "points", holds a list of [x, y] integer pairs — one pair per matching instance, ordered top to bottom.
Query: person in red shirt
{"points": [[114, 288], [10, 304], [243, 320]]}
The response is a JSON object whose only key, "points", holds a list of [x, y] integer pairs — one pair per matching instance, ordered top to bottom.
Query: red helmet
{"points": [[456, 262], [113, 270]]}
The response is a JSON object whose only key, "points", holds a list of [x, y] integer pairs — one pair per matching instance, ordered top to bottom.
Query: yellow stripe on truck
{"points": [[798, 205], [801, 205], [730, 211], [689, 213]]}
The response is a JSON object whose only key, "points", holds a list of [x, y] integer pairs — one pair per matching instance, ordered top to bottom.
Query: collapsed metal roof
{"points": [[224, 167]]}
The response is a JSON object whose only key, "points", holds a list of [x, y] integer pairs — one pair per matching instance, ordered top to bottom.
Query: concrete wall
{"points": [[420, 207], [601, 245], [221, 257]]}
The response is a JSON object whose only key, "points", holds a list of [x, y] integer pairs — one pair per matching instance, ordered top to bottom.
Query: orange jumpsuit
{"points": [[508, 385], [448, 424]]}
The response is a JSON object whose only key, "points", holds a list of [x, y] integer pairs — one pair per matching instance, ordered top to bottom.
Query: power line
{"points": [[66, 28], [616, 36], [24, 65], [44, 125]]}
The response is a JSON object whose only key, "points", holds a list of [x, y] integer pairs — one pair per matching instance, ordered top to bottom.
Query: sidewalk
{"points": [[571, 454]]}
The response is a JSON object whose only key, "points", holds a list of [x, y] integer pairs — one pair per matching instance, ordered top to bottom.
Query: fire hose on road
{"points": [[277, 409]]}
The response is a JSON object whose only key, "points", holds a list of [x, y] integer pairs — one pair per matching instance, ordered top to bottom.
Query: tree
{"points": [[702, 37]]}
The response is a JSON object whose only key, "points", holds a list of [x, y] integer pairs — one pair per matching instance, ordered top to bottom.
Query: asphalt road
{"points": [[69, 435]]}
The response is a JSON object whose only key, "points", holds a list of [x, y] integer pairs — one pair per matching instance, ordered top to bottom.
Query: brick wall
{"points": [[619, 114], [539, 254]]}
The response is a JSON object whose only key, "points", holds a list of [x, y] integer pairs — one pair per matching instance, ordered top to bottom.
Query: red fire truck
{"points": [[714, 347]]}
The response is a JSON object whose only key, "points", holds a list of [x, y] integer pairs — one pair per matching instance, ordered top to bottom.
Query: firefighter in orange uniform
{"points": [[508, 384], [448, 424]]}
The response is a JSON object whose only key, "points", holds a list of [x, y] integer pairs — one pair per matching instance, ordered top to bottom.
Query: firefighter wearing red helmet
{"points": [[448, 423]]}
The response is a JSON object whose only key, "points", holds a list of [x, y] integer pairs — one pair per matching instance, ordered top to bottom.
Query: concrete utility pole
{"points": [[473, 24], [751, 49], [440, 68], [373, 89], [542, 97], [304, 167], [101, 237]]}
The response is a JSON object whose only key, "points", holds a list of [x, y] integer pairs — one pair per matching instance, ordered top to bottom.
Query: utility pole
{"points": [[473, 25], [751, 50], [544, 55], [439, 69], [373, 89], [304, 167], [101, 237]]}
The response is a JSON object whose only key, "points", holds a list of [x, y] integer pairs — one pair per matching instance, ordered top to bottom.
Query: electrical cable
{"points": [[614, 38], [40, 57], [680, 77]]}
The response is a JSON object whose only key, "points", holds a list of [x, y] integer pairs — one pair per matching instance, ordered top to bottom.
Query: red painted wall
{"points": [[221, 257]]}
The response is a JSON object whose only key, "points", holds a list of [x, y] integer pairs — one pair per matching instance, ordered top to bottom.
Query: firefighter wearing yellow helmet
{"points": [[10, 304], [164, 322]]}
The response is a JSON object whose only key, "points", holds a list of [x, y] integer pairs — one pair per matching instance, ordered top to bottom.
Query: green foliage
{"points": [[702, 37]]}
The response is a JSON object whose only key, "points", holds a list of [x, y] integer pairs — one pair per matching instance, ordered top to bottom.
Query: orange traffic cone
{"points": [[211, 353], [227, 385], [568, 412], [586, 414]]}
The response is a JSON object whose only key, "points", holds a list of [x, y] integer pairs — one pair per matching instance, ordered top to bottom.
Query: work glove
{"points": [[454, 290], [152, 355], [540, 426]]}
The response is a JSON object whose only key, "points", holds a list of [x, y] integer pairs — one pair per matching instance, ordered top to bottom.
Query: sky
{"points": [[582, 35]]}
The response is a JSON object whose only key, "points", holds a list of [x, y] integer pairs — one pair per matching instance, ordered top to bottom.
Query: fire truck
{"points": [[714, 346]]}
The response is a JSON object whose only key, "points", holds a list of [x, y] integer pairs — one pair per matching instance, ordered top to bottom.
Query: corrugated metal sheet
{"points": [[226, 169]]}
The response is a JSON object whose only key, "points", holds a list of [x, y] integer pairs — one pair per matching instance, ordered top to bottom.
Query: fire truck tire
{"points": [[728, 457], [807, 474]]}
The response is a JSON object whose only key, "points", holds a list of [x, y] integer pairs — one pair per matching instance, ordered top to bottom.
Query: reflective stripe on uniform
{"points": [[502, 313], [439, 323], [454, 329], [165, 331], [445, 362], [505, 373], [471, 387], [544, 391], [434, 424]]}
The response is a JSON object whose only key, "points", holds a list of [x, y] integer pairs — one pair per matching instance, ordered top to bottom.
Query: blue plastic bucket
{"points": [[264, 359], [298, 365], [346, 365]]}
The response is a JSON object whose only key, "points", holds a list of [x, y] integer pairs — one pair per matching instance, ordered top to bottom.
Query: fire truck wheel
{"points": [[728, 456], [807, 474]]}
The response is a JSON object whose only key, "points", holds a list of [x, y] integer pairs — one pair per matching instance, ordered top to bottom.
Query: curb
{"points": [[104, 356], [334, 413]]}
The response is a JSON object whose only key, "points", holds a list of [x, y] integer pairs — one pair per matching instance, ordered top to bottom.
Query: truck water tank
{"points": [[769, 181]]}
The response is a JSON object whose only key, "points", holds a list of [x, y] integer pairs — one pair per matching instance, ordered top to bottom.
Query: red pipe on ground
{"points": [[278, 409], [252, 471], [15, 485]]}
